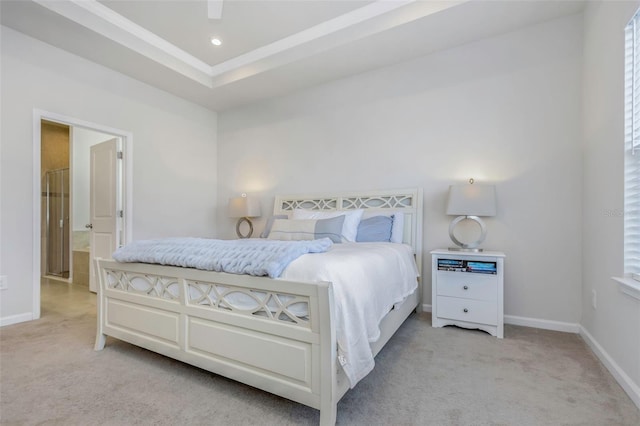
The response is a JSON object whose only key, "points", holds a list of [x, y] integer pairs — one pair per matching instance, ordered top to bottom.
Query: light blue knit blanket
{"points": [[251, 256]]}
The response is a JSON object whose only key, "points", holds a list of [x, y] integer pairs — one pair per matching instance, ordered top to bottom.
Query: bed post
{"points": [[101, 338], [328, 368], [328, 415]]}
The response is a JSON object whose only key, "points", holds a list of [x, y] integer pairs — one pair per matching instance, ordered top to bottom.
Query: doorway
{"points": [[55, 200], [61, 240]]}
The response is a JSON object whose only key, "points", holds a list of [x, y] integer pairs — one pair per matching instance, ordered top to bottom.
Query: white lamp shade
{"points": [[471, 200], [244, 207]]}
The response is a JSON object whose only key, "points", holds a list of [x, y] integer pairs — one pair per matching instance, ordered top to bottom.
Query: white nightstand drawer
{"points": [[468, 285], [468, 299], [478, 311]]}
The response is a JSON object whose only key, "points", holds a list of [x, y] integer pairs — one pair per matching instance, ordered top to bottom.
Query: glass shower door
{"points": [[57, 199]]}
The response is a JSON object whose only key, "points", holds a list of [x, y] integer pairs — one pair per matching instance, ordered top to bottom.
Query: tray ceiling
{"points": [[269, 47]]}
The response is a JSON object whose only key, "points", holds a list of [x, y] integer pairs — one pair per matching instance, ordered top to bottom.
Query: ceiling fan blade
{"points": [[214, 9]]}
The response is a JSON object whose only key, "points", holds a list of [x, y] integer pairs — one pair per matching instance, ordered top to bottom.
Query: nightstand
{"points": [[468, 290]]}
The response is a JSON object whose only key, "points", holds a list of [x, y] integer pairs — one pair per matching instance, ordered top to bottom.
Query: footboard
{"points": [[275, 335]]}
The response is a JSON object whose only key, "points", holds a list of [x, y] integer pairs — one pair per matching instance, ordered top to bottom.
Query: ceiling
{"points": [[269, 47]]}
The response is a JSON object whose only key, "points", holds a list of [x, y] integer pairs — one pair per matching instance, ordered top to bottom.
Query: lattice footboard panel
{"points": [[147, 284], [271, 305], [275, 306]]}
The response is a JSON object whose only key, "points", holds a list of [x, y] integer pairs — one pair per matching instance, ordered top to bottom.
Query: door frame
{"points": [[127, 186]]}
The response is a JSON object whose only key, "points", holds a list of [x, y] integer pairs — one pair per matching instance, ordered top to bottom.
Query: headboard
{"points": [[408, 201]]}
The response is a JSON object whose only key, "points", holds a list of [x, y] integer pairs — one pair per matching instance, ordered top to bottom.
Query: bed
{"points": [[169, 310]]}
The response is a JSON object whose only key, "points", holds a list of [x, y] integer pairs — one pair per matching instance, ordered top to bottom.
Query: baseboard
{"points": [[14, 319], [566, 327], [631, 388]]}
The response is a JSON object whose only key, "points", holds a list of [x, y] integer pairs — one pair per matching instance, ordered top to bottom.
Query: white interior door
{"points": [[104, 204]]}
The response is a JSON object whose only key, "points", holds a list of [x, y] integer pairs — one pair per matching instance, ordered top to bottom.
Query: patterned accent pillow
{"points": [[375, 229], [397, 229]]}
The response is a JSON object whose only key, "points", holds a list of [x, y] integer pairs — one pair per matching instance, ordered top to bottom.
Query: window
{"points": [[632, 149]]}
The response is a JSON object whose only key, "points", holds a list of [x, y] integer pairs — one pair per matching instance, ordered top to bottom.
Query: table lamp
{"points": [[470, 201], [244, 208]]}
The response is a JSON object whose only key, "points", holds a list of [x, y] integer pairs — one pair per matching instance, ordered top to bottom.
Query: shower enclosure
{"points": [[57, 222]]}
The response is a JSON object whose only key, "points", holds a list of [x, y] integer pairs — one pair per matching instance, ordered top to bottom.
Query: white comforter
{"points": [[368, 280]]}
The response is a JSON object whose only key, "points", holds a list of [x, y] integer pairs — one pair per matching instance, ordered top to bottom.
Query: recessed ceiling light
{"points": [[216, 41]]}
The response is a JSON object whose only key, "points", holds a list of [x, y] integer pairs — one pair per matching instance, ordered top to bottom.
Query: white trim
{"points": [[108, 15], [98, 18], [373, 18], [309, 35], [127, 141], [631, 143], [37, 215], [628, 286], [14, 319], [566, 327], [631, 388]]}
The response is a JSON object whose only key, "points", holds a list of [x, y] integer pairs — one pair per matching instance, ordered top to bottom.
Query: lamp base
{"points": [[240, 234], [470, 247]]}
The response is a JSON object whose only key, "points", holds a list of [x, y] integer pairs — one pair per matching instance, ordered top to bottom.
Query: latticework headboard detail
{"points": [[407, 201], [393, 202]]}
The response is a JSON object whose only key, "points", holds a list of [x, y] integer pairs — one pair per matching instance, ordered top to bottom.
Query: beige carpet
{"points": [[49, 374]]}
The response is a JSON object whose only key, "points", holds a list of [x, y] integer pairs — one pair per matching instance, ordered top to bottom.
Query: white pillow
{"points": [[351, 219], [269, 224], [307, 229], [397, 230]]}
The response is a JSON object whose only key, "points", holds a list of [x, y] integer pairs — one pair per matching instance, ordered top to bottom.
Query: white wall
{"points": [[504, 110], [81, 142], [174, 152], [613, 327]]}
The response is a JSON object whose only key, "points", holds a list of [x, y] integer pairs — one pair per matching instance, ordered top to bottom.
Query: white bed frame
{"points": [[153, 306]]}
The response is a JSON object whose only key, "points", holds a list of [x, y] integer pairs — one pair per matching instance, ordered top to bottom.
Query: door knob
{"points": [[89, 226]]}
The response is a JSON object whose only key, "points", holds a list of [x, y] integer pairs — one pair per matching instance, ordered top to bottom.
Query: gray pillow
{"points": [[375, 229]]}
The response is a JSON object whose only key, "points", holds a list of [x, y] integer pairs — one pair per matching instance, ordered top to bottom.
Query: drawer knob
{"points": [[466, 287], [465, 310]]}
